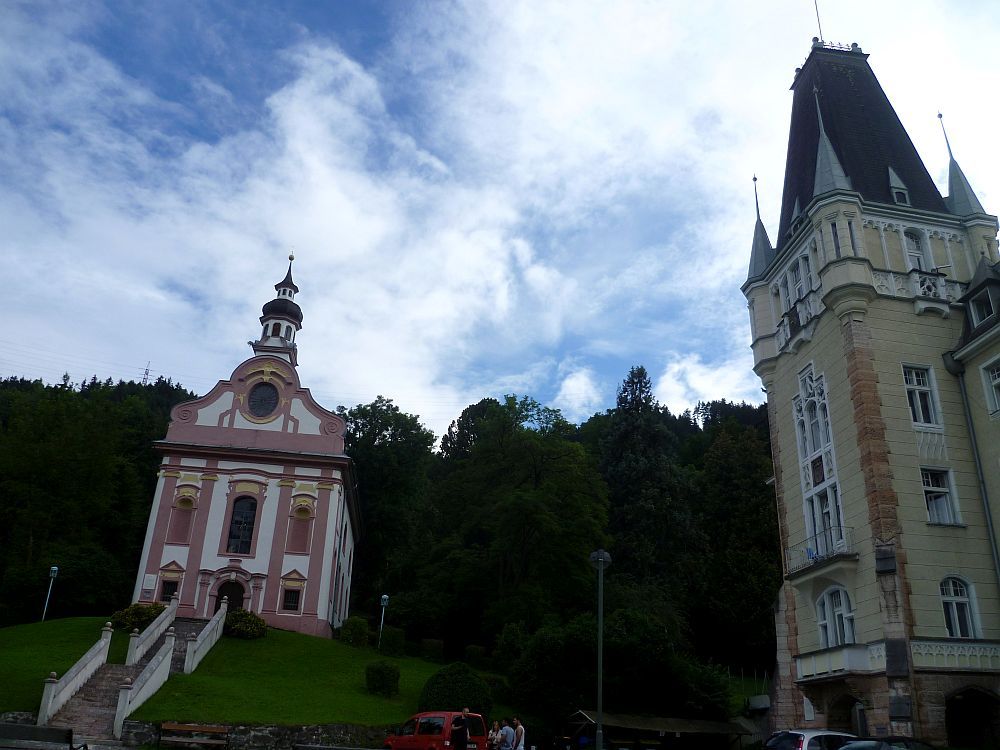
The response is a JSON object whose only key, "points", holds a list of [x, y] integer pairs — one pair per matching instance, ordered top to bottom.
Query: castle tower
{"points": [[874, 332], [255, 498]]}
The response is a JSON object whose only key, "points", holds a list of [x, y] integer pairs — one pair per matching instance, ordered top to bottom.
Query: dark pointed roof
{"points": [[863, 131], [961, 199], [986, 273], [287, 283]]}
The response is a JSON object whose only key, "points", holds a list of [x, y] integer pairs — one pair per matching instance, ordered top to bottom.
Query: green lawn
{"points": [[29, 652], [286, 678]]}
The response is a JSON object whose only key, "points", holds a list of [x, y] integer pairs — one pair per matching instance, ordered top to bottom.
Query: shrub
{"points": [[136, 616], [243, 624], [354, 631], [393, 641], [432, 648], [475, 655], [382, 677], [453, 687], [499, 688]]}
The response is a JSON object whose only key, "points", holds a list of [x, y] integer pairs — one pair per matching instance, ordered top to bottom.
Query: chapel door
{"points": [[234, 591]]}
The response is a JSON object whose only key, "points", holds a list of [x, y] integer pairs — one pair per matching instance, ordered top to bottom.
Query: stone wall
{"points": [[18, 717], [136, 733]]}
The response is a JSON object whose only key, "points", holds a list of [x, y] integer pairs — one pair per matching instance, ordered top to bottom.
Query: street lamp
{"points": [[600, 560], [53, 572], [385, 603]]}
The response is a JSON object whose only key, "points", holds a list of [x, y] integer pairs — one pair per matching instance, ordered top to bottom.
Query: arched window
{"points": [[914, 251], [276, 329], [288, 332], [241, 526], [179, 528], [956, 598], [835, 618]]}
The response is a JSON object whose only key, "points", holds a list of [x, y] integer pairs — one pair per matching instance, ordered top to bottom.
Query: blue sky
{"points": [[483, 197]]}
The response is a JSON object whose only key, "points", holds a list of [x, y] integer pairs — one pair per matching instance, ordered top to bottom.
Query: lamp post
{"points": [[600, 560], [53, 572], [385, 603]]}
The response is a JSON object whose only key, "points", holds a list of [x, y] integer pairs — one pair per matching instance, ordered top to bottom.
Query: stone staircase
{"points": [[91, 712]]}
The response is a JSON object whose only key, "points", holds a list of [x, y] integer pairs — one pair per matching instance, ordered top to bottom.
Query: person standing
{"points": [[460, 732], [518, 734], [506, 735], [493, 738]]}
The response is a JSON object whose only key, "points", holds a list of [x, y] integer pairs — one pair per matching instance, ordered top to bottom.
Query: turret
{"points": [[281, 319]]}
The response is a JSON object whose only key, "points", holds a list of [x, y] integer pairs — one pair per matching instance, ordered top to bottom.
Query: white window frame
{"points": [[918, 250], [981, 316], [991, 385], [915, 389], [946, 513], [959, 609], [835, 618]]}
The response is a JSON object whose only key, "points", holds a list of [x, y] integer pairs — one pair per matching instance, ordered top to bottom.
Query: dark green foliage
{"points": [[77, 475], [136, 616], [241, 623], [354, 631], [393, 641], [432, 648], [475, 655], [382, 677], [453, 687], [499, 688]]}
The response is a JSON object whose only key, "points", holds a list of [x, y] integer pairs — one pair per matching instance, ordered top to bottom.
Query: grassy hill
{"points": [[285, 678]]}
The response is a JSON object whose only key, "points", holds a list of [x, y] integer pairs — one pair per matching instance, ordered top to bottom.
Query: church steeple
{"points": [[961, 199], [281, 319]]}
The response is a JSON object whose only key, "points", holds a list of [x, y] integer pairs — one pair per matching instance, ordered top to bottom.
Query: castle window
{"points": [[901, 197], [836, 239], [854, 241], [914, 251], [796, 273], [981, 307], [991, 378], [920, 395], [939, 496], [241, 526], [167, 590], [956, 598], [290, 600], [835, 618]]}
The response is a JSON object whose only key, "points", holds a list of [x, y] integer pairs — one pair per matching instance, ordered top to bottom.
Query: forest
{"points": [[481, 540]]}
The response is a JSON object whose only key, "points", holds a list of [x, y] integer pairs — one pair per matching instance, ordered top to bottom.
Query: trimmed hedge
{"points": [[136, 616], [243, 624], [354, 631], [393, 641], [382, 677], [453, 687]]}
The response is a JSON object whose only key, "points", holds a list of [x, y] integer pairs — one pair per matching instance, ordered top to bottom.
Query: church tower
{"points": [[874, 331], [255, 498]]}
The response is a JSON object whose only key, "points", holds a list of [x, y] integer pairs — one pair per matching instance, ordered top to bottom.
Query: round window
{"points": [[263, 399]]}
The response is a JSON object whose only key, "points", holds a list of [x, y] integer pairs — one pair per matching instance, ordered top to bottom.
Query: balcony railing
{"points": [[918, 284], [797, 318], [831, 542], [956, 654], [852, 657]]}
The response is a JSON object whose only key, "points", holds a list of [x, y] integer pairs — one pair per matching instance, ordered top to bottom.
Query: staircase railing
{"points": [[138, 644], [198, 646], [57, 691], [131, 694]]}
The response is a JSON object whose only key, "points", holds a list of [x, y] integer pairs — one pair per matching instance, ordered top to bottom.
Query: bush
{"points": [[136, 616], [243, 624], [354, 631], [393, 641], [432, 648], [476, 656], [382, 677], [453, 687], [499, 688]]}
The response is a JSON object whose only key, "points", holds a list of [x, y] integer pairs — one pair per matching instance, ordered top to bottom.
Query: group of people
{"points": [[503, 736]]}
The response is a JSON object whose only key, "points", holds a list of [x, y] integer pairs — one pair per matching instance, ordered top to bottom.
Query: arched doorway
{"points": [[236, 593], [972, 719]]}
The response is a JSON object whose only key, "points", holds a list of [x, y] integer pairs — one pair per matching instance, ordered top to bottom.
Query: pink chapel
{"points": [[255, 499]]}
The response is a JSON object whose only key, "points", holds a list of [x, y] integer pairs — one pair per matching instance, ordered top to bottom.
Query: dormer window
{"points": [[900, 193], [901, 197], [982, 307]]}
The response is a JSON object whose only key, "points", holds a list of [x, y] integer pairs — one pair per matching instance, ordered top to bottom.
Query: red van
{"points": [[431, 730]]}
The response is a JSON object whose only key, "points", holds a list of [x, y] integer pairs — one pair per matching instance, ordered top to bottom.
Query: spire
{"points": [[830, 175], [961, 199], [761, 253], [281, 319]]}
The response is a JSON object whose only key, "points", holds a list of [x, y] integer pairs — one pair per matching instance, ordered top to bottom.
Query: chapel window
{"points": [[241, 526]]}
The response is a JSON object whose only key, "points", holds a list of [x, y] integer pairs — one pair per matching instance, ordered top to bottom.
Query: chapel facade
{"points": [[875, 332], [255, 499]]}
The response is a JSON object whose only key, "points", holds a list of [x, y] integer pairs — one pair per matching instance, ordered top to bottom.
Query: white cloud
{"points": [[687, 379], [579, 396]]}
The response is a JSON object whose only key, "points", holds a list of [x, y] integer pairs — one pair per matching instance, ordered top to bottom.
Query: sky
{"points": [[483, 198]]}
